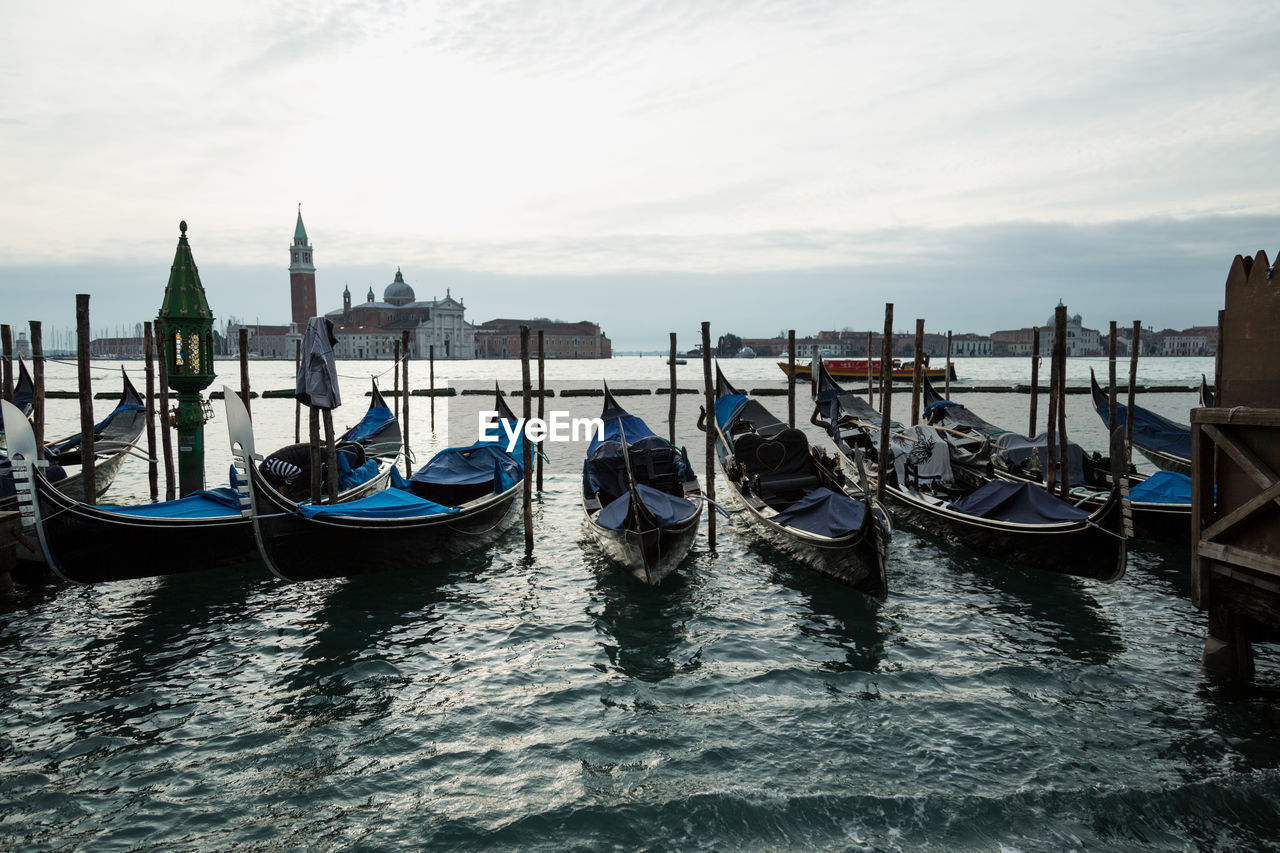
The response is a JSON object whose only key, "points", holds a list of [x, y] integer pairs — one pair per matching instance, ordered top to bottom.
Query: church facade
{"points": [[369, 329]]}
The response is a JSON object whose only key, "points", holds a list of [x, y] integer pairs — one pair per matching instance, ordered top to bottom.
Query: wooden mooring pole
{"points": [[6, 344], [1134, 348], [244, 369], [917, 372], [37, 377], [791, 377], [947, 377], [1035, 379], [1111, 380], [431, 383], [395, 387], [542, 387], [871, 387], [710, 395], [297, 404], [404, 408], [671, 410], [1051, 429], [166, 437], [313, 440], [527, 450], [330, 456], [153, 465], [884, 468], [87, 471], [1064, 478]]}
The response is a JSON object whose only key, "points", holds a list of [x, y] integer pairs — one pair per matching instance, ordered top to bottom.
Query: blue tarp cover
{"points": [[939, 404], [727, 407], [375, 419], [614, 423], [1153, 431], [464, 466], [349, 477], [1163, 487], [210, 503], [388, 503], [1023, 503], [666, 509], [825, 513]]}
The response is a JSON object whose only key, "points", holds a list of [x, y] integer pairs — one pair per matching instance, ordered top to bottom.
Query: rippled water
{"points": [[553, 703]]}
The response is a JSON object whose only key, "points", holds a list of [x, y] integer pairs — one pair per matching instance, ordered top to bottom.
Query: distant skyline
{"points": [[763, 165]]}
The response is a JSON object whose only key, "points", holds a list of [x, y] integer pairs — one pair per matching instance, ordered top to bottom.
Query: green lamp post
{"points": [[188, 353]]}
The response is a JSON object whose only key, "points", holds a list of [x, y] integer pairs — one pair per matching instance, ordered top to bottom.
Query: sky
{"points": [[646, 165]]}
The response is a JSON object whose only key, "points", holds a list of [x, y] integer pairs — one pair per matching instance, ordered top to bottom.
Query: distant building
{"points": [[370, 329], [501, 339], [265, 341], [22, 346]]}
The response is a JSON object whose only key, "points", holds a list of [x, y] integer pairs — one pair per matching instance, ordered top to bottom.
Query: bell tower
{"points": [[302, 276]]}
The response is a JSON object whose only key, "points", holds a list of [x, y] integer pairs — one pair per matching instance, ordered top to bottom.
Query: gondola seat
{"points": [[779, 465]]}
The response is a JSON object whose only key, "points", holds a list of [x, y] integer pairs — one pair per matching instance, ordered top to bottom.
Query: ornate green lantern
{"points": [[187, 349]]}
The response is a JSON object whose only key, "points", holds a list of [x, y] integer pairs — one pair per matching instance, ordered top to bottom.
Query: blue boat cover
{"points": [[938, 405], [727, 407], [374, 420], [615, 421], [97, 428], [1153, 431], [465, 466], [349, 478], [1163, 487], [210, 503], [388, 503], [1023, 503], [666, 509], [825, 513]]}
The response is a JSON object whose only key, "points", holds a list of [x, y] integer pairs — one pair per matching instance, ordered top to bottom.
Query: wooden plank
{"points": [[1237, 417], [1255, 468], [1202, 484], [1242, 512], [1268, 564], [1246, 578]]}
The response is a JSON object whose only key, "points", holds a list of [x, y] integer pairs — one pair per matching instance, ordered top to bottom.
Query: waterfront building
{"points": [[302, 276], [370, 329], [501, 339]]}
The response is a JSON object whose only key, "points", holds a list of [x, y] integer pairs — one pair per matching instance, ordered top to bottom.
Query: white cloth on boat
{"points": [[920, 456]]}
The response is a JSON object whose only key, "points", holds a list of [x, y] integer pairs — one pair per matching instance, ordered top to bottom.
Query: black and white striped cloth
{"points": [[279, 471]]}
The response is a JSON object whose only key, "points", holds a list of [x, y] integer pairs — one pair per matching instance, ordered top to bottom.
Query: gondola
{"points": [[856, 368], [1206, 393], [378, 432], [114, 438], [1165, 443], [641, 497], [795, 497], [460, 501], [1160, 504], [1014, 522], [84, 543]]}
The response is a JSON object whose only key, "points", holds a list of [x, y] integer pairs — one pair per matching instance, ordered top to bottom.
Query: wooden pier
{"points": [[1235, 458]]}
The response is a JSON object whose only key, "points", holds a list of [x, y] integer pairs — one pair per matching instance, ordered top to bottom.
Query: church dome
{"points": [[397, 292]]}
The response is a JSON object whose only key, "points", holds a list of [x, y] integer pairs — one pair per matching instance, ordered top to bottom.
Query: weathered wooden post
{"points": [[1060, 320], [6, 344], [1134, 348], [244, 369], [917, 372], [948, 374], [791, 377], [37, 378], [1035, 379], [1111, 380], [431, 383], [542, 387], [871, 387], [395, 392], [710, 397], [297, 404], [671, 410], [404, 424], [1051, 429], [166, 439], [313, 441], [527, 450], [331, 455], [883, 464], [153, 465], [87, 472]]}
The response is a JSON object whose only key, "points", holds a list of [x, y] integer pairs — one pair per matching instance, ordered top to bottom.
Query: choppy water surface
{"points": [[553, 703]]}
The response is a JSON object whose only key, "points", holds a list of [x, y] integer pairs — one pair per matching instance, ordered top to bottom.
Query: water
{"points": [[553, 703]]}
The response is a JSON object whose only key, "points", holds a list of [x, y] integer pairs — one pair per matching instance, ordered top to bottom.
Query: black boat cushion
{"points": [[786, 453]]}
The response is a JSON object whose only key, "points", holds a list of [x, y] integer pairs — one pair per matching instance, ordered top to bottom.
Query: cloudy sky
{"points": [[762, 165]]}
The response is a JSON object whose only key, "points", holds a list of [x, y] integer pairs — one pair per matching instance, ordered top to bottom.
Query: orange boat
{"points": [[856, 368]]}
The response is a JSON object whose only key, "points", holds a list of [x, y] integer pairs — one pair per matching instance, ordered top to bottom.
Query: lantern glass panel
{"points": [[177, 350]]}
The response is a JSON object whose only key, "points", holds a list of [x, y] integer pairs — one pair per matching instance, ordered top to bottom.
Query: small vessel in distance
{"points": [[856, 368]]}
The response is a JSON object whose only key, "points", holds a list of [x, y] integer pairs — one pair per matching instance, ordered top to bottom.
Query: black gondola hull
{"points": [[648, 556]]}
